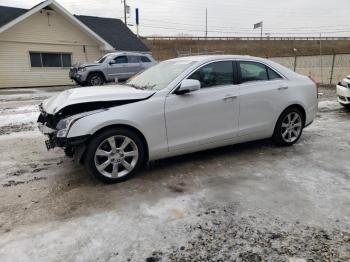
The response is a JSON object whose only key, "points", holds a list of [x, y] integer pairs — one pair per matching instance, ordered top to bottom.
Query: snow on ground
{"points": [[324, 106], [23, 118], [250, 202]]}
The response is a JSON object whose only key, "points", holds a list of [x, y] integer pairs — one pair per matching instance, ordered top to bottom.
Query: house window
{"points": [[50, 59]]}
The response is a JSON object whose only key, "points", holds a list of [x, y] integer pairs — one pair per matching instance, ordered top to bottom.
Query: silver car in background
{"points": [[112, 66]]}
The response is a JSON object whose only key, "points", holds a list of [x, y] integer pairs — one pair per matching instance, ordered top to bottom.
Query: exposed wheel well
{"points": [[97, 72], [300, 108], [142, 137]]}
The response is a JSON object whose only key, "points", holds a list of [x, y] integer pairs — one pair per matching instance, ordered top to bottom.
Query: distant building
{"points": [[37, 46]]}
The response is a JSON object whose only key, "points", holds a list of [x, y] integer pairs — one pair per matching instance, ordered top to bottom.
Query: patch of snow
{"points": [[325, 106], [23, 109], [24, 118], [106, 236]]}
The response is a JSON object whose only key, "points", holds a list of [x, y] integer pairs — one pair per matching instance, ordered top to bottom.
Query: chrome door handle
{"points": [[282, 88], [229, 98]]}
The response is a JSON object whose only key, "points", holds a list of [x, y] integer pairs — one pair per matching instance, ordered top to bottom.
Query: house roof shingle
{"points": [[7, 14], [111, 30], [114, 32]]}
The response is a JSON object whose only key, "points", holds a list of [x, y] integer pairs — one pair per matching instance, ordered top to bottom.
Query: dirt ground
{"points": [[247, 202]]}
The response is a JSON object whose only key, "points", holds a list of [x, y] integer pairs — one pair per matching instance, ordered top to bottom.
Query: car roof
{"points": [[128, 53], [207, 58]]}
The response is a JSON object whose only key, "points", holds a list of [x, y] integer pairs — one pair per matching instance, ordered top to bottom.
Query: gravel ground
{"points": [[248, 202]]}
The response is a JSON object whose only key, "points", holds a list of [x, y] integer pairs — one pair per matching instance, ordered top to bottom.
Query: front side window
{"points": [[38, 59], [121, 59], [254, 71], [214, 74]]}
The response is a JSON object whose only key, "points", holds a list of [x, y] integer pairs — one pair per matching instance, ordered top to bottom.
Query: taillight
{"points": [[316, 84]]}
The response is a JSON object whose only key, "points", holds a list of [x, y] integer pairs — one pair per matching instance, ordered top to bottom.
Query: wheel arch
{"points": [[97, 72], [299, 107], [126, 126]]}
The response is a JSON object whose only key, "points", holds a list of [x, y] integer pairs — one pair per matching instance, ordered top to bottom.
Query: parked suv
{"points": [[121, 66]]}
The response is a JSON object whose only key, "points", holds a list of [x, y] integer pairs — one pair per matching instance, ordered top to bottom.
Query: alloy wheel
{"points": [[95, 80], [291, 127], [116, 156]]}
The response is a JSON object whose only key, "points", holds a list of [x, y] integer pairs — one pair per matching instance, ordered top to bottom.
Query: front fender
{"points": [[146, 116]]}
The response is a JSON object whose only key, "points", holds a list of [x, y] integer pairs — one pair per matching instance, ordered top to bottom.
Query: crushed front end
{"points": [[56, 128]]}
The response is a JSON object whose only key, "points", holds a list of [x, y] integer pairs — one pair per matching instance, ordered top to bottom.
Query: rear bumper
{"points": [[343, 94]]}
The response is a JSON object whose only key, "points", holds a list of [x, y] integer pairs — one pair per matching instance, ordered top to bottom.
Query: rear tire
{"points": [[95, 79], [347, 106], [289, 127], [115, 155]]}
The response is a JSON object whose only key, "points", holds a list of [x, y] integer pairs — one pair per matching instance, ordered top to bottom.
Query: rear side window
{"points": [[134, 59], [145, 59], [121, 60], [253, 71], [214, 74]]}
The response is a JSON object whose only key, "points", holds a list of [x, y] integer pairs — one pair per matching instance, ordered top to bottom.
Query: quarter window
{"points": [[38, 59], [145, 59], [253, 71], [214, 74], [272, 74]]}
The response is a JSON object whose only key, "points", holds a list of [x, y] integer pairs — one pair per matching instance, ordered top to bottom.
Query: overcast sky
{"points": [[225, 17]]}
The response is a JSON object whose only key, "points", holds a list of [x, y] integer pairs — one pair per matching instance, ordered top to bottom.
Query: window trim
{"points": [[144, 56], [127, 60], [49, 67], [266, 68], [234, 80]]}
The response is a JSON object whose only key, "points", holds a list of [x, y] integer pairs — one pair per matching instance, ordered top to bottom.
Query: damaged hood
{"points": [[93, 94]]}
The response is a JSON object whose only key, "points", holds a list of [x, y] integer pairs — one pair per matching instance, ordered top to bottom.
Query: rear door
{"points": [[134, 65], [262, 97]]}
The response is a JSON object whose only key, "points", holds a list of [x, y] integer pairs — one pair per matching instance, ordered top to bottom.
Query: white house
{"points": [[38, 46]]}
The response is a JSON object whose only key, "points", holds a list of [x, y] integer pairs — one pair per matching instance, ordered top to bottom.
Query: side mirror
{"points": [[112, 62], [187, 86]]}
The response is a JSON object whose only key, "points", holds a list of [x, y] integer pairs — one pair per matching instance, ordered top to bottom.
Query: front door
{"points": [[118, 68], [207, 115]]}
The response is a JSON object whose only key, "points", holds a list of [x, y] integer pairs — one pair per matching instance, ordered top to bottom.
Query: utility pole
{"points": [[125, 12], [206, 23], [321, 59]]}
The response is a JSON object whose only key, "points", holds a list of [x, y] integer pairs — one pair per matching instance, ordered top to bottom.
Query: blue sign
{"points": [[137, 16]]}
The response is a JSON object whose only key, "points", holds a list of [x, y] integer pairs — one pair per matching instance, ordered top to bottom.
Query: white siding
{"points": [[42, 34]]}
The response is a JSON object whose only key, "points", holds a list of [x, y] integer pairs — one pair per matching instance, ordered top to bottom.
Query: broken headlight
{"points": [[345, 84], [65, 124]]}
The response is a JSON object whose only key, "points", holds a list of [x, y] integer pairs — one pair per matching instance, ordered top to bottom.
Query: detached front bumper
{"points": [[343, 94]]}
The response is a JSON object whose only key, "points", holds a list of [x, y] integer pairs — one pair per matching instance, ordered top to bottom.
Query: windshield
{"points": [[102, 59], [160, 75]]}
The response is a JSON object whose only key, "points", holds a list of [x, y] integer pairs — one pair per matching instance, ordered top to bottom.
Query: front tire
{"points": [[95, 79], [347, 106], [289, 127], [115, 155]]}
